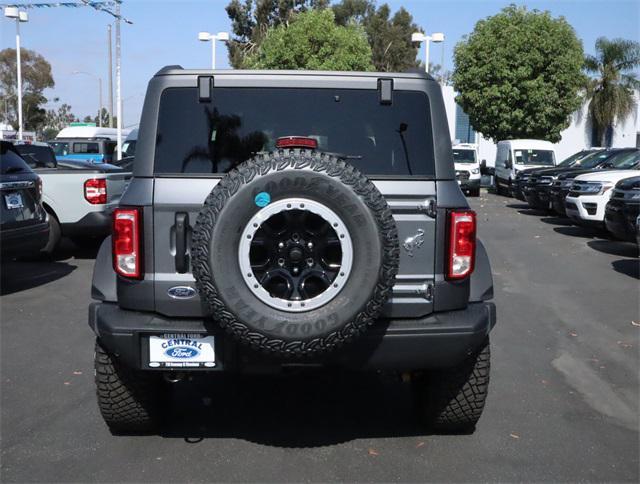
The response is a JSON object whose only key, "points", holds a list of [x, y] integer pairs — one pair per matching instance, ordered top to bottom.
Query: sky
{"points": [[165, 33]]}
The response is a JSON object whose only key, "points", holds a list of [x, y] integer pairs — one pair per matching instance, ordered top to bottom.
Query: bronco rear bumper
{"points": [[439, 340]]}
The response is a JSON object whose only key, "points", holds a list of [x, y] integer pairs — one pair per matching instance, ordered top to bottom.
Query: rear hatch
{"points": [[196, 143], [19, 188]]}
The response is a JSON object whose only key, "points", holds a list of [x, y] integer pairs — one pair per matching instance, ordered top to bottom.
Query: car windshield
{"points": [[216, 136], [60, 148], [37, 156], [464, 156], [534, 157], [575, 159], [597, 159], [625, 160]]}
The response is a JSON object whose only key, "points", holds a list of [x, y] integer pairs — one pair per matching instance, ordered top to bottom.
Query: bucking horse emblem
{"points": [[413, 242]]}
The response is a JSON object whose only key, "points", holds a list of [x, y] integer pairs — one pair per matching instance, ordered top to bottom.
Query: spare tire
{"points": [[295, 253]]}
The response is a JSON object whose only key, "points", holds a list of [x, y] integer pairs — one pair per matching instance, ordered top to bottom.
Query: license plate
{"points": [[13, 200], [182, 351]]}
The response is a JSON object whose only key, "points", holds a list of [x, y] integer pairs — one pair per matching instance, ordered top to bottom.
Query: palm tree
{"points": [[610, 91]]}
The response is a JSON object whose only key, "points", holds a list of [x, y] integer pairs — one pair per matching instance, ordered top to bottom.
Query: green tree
{"points": [[251, 19], [389, 36], [312, 40], [519, 74], [36, 77], [611, 87], [55, 120]]}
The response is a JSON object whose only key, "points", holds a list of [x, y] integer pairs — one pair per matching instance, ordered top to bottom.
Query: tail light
{"points": [[297, 142], [39, 188], [95, 191], [127, 242], [461, 244]]}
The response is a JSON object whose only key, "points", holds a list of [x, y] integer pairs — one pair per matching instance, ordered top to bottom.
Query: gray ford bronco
{"points": [[291, 220]]}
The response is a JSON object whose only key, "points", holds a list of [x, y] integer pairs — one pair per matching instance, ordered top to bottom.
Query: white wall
{"points": [[576, 137]]}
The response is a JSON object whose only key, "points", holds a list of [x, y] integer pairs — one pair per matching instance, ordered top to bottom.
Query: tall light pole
{"points": [[14, 13], [206, 37], [420, 37], [110, 77], [99, 79], [118, 89]]}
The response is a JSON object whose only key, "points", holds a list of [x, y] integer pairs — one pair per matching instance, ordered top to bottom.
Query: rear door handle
{"points": [[181, 258]]}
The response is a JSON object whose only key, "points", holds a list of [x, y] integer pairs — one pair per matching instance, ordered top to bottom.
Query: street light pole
{"points": [[14, 13], [207, 37], [420, 37], [110, 78], [118, 90]]}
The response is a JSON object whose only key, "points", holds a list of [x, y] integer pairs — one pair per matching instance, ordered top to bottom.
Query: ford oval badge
{"points": [[181, 292], [181, 352]]}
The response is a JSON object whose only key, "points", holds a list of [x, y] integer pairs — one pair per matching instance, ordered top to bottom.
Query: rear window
{"points": [[206, 138], [60, 148], [92, 148], [37, 156], [10, 161]]}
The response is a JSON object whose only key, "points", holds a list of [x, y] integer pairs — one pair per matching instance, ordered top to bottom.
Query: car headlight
{"points": [[475, 171], [546, 180], [566, 183], [591, 188]]}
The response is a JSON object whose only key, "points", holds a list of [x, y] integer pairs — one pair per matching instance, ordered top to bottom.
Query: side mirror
{"points": [[508, 164], [483, 167]]}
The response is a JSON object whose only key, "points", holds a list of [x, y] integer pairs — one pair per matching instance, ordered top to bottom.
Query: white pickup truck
{"points": [[78, 196]]}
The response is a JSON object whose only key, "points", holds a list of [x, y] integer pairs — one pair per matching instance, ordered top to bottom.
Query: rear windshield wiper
{"points": [[14, 169]]}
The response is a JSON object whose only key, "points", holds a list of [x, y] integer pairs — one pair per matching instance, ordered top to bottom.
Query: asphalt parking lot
{"points": [[563, 404]]}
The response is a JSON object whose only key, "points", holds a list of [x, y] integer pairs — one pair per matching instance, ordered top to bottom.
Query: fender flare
{"points": [[104, 280], [481, 283]]}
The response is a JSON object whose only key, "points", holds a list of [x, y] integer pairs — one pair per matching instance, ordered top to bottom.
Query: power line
{"points": [[101, 6]]}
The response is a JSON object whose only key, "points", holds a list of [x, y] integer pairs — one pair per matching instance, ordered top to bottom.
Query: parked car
{"points": [[86, 143], [129, 145], [516, 155], [465, 159], [610, 159], [522, 177], [79, 196], [586, 201], [622, 213], [24, 228], [274, 242]]}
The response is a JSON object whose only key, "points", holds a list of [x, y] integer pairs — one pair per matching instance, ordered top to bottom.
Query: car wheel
{"points": [[474, 192], [303, 227], [55, 233], [129, 400], [452, 400]]}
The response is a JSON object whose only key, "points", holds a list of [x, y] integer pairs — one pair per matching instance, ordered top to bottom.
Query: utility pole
{"points": [[110, 78], [118, 91]]}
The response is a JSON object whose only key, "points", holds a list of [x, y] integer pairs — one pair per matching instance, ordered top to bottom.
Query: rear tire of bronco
{"points": [[128, 399], [451, 400]]}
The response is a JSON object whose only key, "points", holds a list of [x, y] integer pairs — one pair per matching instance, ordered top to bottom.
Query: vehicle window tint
{"points": [[215, 137], [110, 147], [60, 148], [90, 148], [37, 156], [534, 157], [596, 159], [10, 160], [625, 160]]}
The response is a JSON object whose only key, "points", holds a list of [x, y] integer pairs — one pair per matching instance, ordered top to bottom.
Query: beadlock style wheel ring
{"points": [[295, 255]]}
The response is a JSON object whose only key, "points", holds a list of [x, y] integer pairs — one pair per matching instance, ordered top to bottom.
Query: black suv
{"points": [[623, 210], [290, 220], [23, 221]]}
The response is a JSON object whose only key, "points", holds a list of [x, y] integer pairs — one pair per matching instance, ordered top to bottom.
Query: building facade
{"points": [[577, 136]]}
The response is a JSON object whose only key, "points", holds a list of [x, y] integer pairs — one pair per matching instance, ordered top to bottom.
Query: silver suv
{"points": [[280, 220]]}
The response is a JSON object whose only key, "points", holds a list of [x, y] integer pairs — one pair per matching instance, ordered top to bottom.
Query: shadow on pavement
{"points": [[518, 206], [536, 212], [556, 220], [583, 232], [67, 249], [622, 249], [629, 267], [20, 276], [307, 410]]}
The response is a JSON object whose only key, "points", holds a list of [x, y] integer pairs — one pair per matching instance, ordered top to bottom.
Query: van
{"points": [[86, 143], [513, 156], [465, 158]]}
